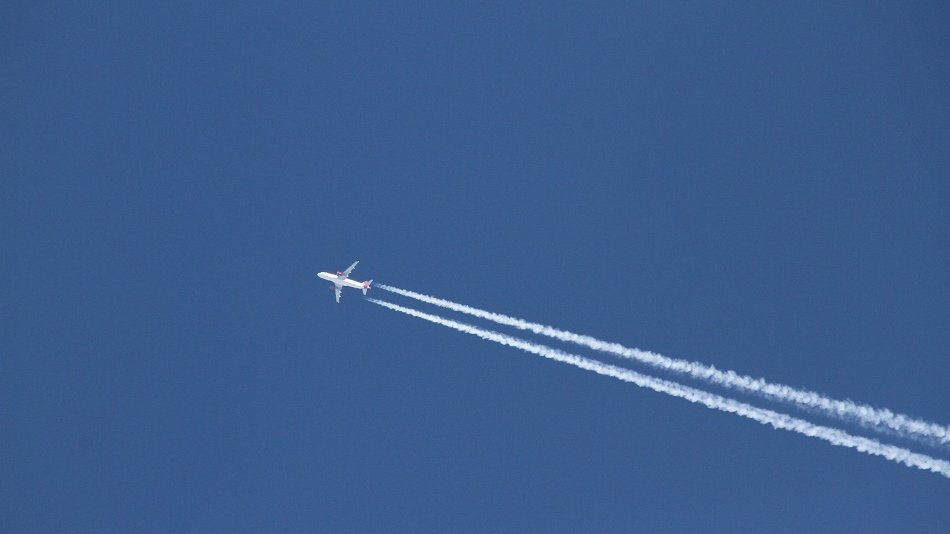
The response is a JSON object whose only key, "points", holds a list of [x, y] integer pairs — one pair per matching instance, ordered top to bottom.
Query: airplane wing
{"points": [[346, 273], [339, 290]]}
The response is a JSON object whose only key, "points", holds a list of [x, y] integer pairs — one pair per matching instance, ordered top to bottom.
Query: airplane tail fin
{"points": [[366, 285]]}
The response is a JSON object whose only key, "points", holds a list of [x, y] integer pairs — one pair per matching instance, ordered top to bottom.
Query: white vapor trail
{"points": [[710, 400], [879, 419]]}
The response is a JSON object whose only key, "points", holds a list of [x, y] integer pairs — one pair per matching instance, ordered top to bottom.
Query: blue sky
{"points": [[762, 187]]}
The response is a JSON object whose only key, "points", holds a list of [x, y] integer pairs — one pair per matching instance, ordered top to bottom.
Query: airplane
{"points": [[341, 279]]}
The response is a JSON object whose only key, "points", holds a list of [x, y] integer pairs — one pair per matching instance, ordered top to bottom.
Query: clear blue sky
{"points": [[762, 187]]}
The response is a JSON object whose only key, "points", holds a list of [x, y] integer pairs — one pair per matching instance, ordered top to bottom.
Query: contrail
{"points": [[710, 400], [879, 419]]}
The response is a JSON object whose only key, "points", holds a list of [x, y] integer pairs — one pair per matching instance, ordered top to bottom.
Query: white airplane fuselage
{"points": [[336, 279], [342, 279]]}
